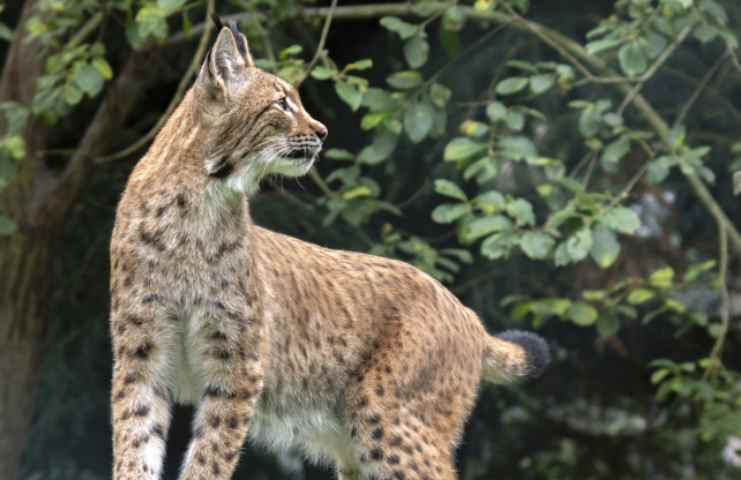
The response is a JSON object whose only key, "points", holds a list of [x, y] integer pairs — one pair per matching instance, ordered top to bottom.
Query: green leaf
{"points": [[170, 5], [453, 19], [403, 29], [6, 33], [602, 44], [290, 51], [416, 51], [632, 58], [363, 64], [103, 68], [323, 73], [88, 79], [405, 80], [541, 83], [512, 85], [349, 93], [72, 94], [440, 95], [379, 100], [496, 111], [372, 120], [418, 120], [516, 120], [472, 128], [384, 142], [15, 146], [517, 147], [461, 148], [615, 152], [339, 154], [659, 169], [450, 189], [490, 202], [522, 211], [450, 212], [621, 219], [7, 226], [482, 226], [579, 244], [498, 245], [537, 245], [605, 247], [696, 269], [662, 278], [639, 295], [582, 314], [608, 325], [659, 375]]}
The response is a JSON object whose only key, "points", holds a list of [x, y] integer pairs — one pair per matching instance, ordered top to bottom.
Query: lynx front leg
{"points": [[234, 380], [140, 402]]}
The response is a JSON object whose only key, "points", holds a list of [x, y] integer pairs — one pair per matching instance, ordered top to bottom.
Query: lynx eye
{"points": [[283, 104]]}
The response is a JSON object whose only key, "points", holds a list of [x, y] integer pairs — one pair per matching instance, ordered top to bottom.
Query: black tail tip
{"points": [[536, 349]]}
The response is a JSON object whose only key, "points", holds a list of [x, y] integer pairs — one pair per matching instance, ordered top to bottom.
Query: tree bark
{"points": [[38, 201], [23, 263]]}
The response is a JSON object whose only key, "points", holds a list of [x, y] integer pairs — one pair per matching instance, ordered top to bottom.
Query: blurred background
{"points": [[565, 167]]}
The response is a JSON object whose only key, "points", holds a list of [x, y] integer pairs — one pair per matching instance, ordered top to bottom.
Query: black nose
{"points": [[322, 132]]}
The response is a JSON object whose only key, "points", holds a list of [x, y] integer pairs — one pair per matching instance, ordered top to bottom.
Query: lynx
{"points": [[358, 361]]}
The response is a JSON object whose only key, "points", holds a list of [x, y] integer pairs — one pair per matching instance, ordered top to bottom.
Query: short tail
{"points": [[513, 356]]}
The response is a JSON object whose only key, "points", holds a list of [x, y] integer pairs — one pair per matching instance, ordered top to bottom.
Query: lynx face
{"points": [[259, 123]]}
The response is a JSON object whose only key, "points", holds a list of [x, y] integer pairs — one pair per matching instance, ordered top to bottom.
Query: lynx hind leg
{"points": [[139, 401], [406, 437], [396, 446]]}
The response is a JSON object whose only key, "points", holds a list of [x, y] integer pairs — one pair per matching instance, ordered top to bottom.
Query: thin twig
{"points": [[86, 30], [322, 40], [654, 68], [182, 87], [700, 88], [319, 181], [716, 361]]}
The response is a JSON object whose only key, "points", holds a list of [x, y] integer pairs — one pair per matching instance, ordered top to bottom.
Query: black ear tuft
{"points": [[217, 21], [241, 41]]}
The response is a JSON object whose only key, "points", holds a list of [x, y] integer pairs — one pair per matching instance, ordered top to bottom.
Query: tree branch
{"points": [[322, 40], [182, 87]]}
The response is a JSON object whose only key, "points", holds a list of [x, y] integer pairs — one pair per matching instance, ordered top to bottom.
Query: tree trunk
{"points": [[38, 200], [23, 263]]}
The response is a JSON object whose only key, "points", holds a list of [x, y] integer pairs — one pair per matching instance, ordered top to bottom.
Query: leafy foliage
{"points": [[549, 178]]}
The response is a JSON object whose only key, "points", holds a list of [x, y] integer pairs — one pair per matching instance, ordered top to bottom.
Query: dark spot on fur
{"points": [[151, 299], [135, 320], [218, 335], [142, 351], [130, 378], [379, 391], [141, 410], [374, 419], [214, 421], [232, 422], [158, 430], [377, 434], [395, 441], [376, 454], [200, 459], [393, 459], [215, 469]]}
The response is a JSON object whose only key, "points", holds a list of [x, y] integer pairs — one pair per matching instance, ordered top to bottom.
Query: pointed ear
{"points": [[244, 48], [225, 64]]}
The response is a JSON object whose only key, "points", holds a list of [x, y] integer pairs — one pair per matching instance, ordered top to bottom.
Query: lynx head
{"points": [[257, 123]]}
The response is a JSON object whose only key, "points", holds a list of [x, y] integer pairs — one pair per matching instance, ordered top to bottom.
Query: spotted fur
{"points": [[360, 362]]}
